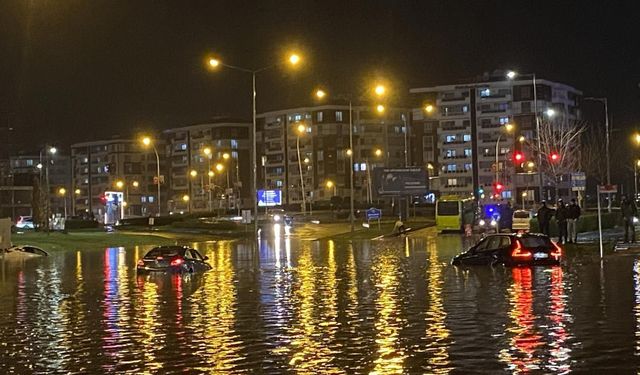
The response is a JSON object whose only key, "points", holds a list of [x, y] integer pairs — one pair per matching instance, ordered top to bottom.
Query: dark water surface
{"points": [[392, 306]]}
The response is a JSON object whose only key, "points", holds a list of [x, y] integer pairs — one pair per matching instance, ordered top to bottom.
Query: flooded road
{"points": [[391, 306]]}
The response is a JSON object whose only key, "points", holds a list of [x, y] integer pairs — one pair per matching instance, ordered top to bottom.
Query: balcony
{"points": [[456, 157]]}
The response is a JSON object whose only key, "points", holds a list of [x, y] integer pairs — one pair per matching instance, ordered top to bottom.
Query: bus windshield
{"points": [[448, 209]]}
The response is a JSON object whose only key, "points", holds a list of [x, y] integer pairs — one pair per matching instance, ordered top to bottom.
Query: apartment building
{"points": [[465, 136], [314, 142], [122, 166], [210, 166]]}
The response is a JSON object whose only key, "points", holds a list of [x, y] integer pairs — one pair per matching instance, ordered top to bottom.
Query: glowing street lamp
{"points": [[294, 59], [380, 90], [320, 94], [380, 108], [429, 108], [550, 112], [508, 128], [301, 129], [148, 142], [377, 152], [219, 167], [193, 173], [211, 174], [119, 184], [135, 184], [331, 185], [78, 191], [63, 193], [185, 198]]}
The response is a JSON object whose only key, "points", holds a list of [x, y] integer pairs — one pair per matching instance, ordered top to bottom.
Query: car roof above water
{"points": [[166, 251]]}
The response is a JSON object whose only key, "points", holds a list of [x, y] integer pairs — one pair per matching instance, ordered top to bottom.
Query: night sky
{"points": [[78, 70]]}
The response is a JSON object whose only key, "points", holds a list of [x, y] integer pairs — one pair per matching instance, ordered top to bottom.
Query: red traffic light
{"points": [[518, 156], [554, 156], [498, 187]]}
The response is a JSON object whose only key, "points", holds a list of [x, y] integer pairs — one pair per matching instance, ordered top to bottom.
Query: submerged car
{"points": [[521, 220], [511, 250], [28, 251], [173, 259]]}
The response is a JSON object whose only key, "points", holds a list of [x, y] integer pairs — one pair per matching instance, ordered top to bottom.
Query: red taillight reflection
{"points": [[557, 250], [519, 253], [177, 262]]}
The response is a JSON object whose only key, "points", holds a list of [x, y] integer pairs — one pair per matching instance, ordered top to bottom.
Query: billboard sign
{"points": [[400, 181], [269, 198], [374, 214]]}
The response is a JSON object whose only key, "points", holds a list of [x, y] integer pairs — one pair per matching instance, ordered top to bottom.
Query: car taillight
{"points": [[557, 250], [519, 253], [176, 262], [141, 263]]}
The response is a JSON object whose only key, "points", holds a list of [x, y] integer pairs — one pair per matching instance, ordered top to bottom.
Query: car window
{"points": [[448, 208], [521, 215], [505, 241], [534, 241], [494, 243], [482, 244], [163, 252], [188, 254], [196, 254]]}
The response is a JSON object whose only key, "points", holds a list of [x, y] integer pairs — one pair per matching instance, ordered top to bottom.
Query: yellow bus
{"points": [[451, 211]]}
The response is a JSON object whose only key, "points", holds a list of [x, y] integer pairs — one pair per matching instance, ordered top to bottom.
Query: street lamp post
{"points": [[214, 63], [508, 128], [301, 129], [606, 129], [147, 141], [48, 151], [635, 179], [63, 193], [524, 195]]}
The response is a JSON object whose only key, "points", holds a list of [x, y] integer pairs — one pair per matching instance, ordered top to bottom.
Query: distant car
{"points": [[277, 215], [521, 220], [25, 222], [487, 225], [511, 250], [173, 259]]}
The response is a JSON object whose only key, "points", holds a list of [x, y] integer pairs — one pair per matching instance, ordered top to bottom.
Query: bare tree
{"points": [[559, 147], [592, 159]]}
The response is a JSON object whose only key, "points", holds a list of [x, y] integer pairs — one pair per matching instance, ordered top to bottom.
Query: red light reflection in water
{"points": [[542, 345], [521, 354]]}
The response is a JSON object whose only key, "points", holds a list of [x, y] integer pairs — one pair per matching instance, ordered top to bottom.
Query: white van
{"points": [[521, 220]]}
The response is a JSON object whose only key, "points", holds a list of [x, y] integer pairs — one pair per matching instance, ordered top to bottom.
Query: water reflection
{"points": [[391, 306], [539, 340]]}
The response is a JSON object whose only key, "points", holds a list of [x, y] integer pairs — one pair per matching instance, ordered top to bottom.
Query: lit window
{"points": [[485, 92], [465, 108], [319, 116], [339, 116], [297, 117], [504, 120], [466, 137], [451, 138], [234, 143], [183, 146], [467, 152], [450, 153], [234, 154], [363, 166], [467, 166], [356, 167], [451, 167], [452, 181], [279, 183], [506, 194], [143, 199], [151, 199]]}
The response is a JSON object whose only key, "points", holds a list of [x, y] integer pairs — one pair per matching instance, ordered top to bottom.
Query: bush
{"points": [[586, 223], [71, 224]]}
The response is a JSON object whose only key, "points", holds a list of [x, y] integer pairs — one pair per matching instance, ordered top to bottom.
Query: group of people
{"points": [[566, 217]]}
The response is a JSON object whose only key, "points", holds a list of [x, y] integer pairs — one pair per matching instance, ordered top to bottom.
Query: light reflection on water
{"points": [[392, 306]]}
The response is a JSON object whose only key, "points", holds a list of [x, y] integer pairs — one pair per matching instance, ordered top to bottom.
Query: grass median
{"points": [[82, 240]]}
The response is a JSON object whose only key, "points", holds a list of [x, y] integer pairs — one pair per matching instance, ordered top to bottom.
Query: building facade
{"points": [[469, 124], [314, 142], [122, 166], [210, 168]]}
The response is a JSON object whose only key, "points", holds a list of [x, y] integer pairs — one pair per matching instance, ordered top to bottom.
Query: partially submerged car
{"points": [[511, 250], [25, 251], [173, 259]]}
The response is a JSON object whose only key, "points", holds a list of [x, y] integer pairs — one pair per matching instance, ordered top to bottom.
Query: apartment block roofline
{"points": [[325, 106], [206, 125], [103, 142]]}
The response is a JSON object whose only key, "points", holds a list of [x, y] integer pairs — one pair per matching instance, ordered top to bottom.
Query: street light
{"points": [[294, 59], [380, 90], [380, 108], [429, 108], [508, 128], [301, 130], [148, 142], [635, 178], [119, 184], [331, 185], [63, 193], [524, 195]]}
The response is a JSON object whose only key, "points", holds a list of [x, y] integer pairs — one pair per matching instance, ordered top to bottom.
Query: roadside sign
{"points": [[578, 181], [608, 188], [269, 198], [374, 214], [246, 216]]}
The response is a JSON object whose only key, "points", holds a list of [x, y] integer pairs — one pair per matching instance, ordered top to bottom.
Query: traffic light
{"points": [[554, 156], [518, 157], [497, 189]]}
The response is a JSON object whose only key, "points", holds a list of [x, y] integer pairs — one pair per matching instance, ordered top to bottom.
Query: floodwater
{"points": [[390, 306]]}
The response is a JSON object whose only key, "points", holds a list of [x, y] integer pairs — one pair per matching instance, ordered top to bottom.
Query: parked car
{"points": [[521, 220], [25, 222], [512, 250], [173, 259]]}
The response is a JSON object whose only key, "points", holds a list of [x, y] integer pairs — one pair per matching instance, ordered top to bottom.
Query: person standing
{"points": [[629, 212], [562, 214], [544, 217], [572, 221]]}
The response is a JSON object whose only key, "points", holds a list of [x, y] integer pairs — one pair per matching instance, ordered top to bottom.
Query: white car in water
{"points": [[521, 220]]}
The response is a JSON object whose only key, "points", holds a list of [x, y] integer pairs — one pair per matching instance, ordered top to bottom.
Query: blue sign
{"points": [[578, 181], [269, 198], [374, 214]]}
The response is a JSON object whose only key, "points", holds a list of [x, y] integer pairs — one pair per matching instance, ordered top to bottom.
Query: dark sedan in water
{"points": [[512, 250], [173, 259]]}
